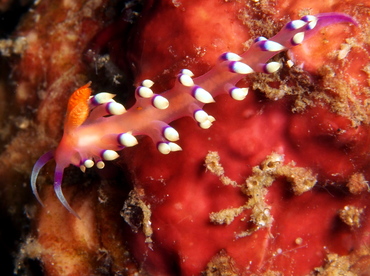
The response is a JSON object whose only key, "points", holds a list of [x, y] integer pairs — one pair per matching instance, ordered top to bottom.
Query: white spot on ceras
{"points": [[296, 24], [298, 38], [271, 46], [272, 67], [240, 68], [186, 80], [147, 83], [145, 92], [239, 94], [202, 95], [160, 102], [115, 108], [200, 116], [171, 134], [127, 139], [174, 146], [164, 148], [110, 155], [89, 163]]}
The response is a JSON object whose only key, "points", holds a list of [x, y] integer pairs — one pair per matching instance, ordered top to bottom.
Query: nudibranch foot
{"points": [[96, 127]]}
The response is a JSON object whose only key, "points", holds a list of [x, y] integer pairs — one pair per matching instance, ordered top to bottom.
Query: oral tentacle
{"points": [[40, 163], [58, 179]]}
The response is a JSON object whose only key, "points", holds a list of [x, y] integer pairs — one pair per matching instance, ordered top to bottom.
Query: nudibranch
{"points": [[97, 127]]}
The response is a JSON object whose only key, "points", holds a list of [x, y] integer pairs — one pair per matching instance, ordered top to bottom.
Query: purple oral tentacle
{"points": [[40, 163], [58, 179]]}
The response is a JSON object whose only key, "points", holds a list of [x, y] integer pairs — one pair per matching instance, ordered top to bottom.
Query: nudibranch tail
{"points": [[332, 18], [96, 127], [45, 158]]}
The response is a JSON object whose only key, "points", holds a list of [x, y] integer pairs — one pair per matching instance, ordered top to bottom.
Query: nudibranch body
{"points": [[97, 127]]}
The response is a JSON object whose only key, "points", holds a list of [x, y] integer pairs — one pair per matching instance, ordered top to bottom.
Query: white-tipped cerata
{"points": [[309, 18], [312, 21], [296, 24], [312, 24], [260, 38], [297, 38], [271, 46], [231, 56], [272, 67], [240, 68], [187, 72], [186, 80], [147, 83], [145, 92], [239, 94], [202, 95], [102, 98], [160, 102], [115, 108], [200, 116], [206, 125], [171, 134], [127, 139], [174, 147], [164, 148], [109, 155], [89, 163], [100, 165], [83, 168]]}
